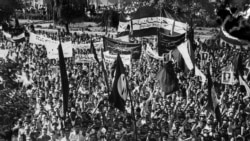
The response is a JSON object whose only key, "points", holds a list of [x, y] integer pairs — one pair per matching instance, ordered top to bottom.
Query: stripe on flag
{"points": [[183, 49]]}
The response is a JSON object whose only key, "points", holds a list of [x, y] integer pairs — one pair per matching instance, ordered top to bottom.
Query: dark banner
{"points": [[147, 20], [227, 38], [168, 42], [117, 46]]}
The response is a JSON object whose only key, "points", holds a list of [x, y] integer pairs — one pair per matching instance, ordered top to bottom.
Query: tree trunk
{"points": [[67, 28]]}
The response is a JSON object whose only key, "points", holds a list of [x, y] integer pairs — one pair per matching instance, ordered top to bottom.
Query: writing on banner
{"points": [[149, 22], [40, 40], [98, 45], [117, 46], [52, 50], [84, 58], [110, 58]]}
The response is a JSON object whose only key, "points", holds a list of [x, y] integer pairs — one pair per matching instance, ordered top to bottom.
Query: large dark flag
{"points": [[147, 21], [226, 37], [167, 43], [121, 47], [93, 50], [238, 65], [167, 78], [64, 79], [120, 87], [213, 105]]}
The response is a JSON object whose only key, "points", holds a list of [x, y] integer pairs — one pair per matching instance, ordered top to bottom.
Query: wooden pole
{"points": [[133, 114]]}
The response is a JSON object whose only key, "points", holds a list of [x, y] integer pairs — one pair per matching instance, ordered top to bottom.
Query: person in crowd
{"points": [[180, 116]]}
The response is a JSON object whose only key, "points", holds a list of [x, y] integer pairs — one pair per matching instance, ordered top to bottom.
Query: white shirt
{"points": [[74, 137]]}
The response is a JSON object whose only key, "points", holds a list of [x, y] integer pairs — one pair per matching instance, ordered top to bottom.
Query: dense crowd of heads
{"points": [[182, 115]]}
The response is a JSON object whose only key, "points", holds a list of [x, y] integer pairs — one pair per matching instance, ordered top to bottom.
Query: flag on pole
{"points": [[92, 47], [183, 49], [102, 63], [238, 66], [64, 79], [168, 79], [119, 91], [213, 104]]}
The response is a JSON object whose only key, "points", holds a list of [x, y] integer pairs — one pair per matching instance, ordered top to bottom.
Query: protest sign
{"points": [[39, 39], [52, 50], [204, 56], [84, 58], [126, 59], [227, 76]]}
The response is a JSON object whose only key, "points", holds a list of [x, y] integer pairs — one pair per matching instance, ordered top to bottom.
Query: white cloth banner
{"points": [[158, 22], [40, 39], [97, 45], [52, 50], [184, 52], [3, 53], [152, 53], [84, 58], [126, 59]]}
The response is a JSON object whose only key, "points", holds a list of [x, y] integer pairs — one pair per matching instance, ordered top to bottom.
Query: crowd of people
{"points": [[180, 116]]}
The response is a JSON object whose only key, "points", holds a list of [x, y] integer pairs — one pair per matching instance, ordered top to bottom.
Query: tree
{"points": [[7, 9], [66, 12]]}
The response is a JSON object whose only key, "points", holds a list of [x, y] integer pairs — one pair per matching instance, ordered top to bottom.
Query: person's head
{"points": [[120, 125], [54, 126], [27, 129], [44, 131], [66, 133], [118, 135]]}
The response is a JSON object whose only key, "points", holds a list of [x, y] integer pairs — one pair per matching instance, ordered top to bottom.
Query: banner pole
{"points": [[133, 114]]}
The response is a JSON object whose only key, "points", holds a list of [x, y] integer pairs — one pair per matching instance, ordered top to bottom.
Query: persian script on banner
{"points": [[148, 20], [158, 22], [40, 39], [97, 45], [125, 48], [52, 50], [84, 58], [126, 59]]}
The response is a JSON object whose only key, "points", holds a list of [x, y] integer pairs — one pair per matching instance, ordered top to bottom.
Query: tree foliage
{"points": [[7, 8], [66, 12]]}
